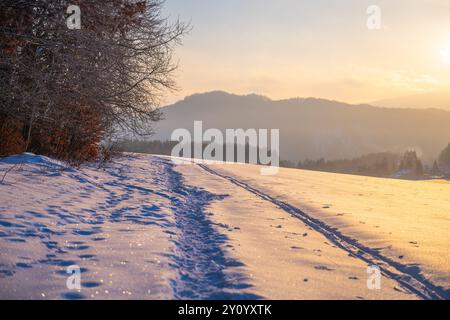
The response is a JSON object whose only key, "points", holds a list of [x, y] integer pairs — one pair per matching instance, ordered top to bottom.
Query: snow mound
{"points": [[31, 158]]}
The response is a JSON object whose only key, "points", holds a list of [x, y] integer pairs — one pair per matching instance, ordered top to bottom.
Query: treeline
{"points": [[65, 90], [150, 147], [166, 147], [443, 162], [376, 164], [382, 164]]}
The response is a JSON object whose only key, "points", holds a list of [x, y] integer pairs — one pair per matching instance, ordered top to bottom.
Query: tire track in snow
{"points": [[408, 276]]}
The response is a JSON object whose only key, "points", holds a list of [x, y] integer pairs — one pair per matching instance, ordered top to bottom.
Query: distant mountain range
{"points": [[439, 100], [315, 128]]}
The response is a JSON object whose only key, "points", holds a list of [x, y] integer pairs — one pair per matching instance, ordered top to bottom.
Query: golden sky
{"points": [[320, 48]]}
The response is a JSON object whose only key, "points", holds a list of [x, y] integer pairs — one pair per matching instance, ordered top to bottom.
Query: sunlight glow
{"points": [[445, 54]]}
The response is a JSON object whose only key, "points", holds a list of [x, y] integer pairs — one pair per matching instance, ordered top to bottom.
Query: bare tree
{"points": [[65, 88]]}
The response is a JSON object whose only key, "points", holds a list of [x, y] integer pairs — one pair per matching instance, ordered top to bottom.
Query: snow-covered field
{"points": [[143, 227]]}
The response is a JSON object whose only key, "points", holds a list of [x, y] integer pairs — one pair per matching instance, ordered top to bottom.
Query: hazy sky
{"points": [[320, 48]]}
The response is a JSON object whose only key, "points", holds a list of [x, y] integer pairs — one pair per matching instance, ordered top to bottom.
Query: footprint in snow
{"points": [[414, 244], [87, 256], [23, 265], [325, 268], [91, 284], [73, 296]]}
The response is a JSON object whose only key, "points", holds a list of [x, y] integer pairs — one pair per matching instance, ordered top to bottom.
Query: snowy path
{"points": [[198, 255], [406, 276]]}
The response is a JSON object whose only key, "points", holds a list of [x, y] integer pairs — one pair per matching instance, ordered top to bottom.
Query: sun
{"points": [[445, 54]]}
